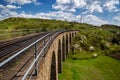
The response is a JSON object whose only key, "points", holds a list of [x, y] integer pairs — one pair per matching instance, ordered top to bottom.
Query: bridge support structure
{"points": [[52, 64]]}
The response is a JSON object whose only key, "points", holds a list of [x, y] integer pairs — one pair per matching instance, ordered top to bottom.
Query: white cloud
{"points": [[63, 1], [22, 2], [79, 3], [68, 5], [101, 5], [111, 5], [1, 6], [90, 6], [9, 7], [12, 7], [94, 7], [63, 8], [7, 11], [58, 15], [1, 17], [92, 19], [116, 20]]}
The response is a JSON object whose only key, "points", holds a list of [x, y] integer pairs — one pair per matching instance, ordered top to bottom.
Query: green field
{"points": [[100, 68]]}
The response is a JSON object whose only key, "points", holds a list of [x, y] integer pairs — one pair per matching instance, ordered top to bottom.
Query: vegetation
{"points": [[31, 23], [25, 25], [46, 25], [90, 41], [93, 41], [91, 45], [89, 60], [100, 68]]}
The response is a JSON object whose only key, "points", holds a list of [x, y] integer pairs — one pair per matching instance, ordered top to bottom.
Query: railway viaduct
{"points": [[57, 52], [47, 59]]}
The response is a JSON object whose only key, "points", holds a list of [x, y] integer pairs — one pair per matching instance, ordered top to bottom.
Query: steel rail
{"points": [[18, 53], [35, 60]]}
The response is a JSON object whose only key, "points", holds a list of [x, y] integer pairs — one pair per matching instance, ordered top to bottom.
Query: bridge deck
{"points": [[17, 67]]}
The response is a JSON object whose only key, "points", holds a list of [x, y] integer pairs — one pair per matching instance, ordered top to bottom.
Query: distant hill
{"points": [[39, 24]]}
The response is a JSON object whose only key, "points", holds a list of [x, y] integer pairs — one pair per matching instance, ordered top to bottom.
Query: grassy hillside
{"points": [[31, 23], [38, 24], [92, 41], [100, 68]]}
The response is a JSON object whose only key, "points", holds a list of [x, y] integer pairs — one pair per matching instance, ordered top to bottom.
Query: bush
{"points": [[83, 55]]}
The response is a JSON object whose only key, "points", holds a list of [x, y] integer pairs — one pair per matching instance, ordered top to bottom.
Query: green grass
{"points": [[100, 68]]}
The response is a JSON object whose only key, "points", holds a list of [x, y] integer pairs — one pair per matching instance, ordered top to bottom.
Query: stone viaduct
{"points": [[57, 52]]}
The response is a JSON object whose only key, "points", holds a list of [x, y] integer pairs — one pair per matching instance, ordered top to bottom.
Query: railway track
{"points": [[9, 48], [16, 67]]}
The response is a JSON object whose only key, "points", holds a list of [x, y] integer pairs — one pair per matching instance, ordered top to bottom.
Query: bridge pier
{"points": [[53, 68]]}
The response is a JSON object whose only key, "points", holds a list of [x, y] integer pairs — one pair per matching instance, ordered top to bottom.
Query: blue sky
{"points": [[96, 12]]}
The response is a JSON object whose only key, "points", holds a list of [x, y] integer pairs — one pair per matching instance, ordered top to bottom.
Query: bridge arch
{"points": [[75, 33], [72, 34], [70, 40], [67, 44], [63, 49], [59, 56], [53, 67]]}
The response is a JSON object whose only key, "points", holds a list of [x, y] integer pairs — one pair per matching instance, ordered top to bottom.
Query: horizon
{"points": [[95, 12], [65, 21]]}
